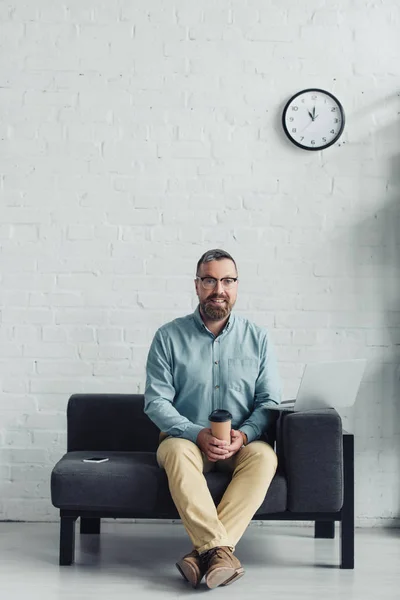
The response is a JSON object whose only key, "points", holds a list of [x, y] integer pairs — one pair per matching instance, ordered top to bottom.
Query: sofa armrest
{"points": [[310, 452]]}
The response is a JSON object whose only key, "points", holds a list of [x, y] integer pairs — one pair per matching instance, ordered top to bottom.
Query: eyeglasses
{"points": [[209, 283]]}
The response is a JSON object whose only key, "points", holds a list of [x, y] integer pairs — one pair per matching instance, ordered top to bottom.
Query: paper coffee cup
{"points": [[221, 424]]}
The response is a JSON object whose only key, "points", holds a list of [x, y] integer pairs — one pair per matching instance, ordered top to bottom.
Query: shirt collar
{"points": [[201, 325]]}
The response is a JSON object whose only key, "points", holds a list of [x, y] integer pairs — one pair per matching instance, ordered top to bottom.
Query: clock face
{"points": [[313, 119]]}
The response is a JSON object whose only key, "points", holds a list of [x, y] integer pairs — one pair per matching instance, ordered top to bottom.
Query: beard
{"points": [[216, 313]]}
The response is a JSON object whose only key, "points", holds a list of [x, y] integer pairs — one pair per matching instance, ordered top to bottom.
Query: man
{"points": [[208, 360]]}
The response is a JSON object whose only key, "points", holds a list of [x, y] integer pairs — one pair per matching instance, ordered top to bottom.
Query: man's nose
{"points": [[218, 287]]}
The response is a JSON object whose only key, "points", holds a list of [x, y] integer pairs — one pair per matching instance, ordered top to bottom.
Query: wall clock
{"points": [[313, 119]]}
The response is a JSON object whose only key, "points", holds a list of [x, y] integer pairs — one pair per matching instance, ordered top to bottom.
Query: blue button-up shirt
{"points": [[191, 372]]}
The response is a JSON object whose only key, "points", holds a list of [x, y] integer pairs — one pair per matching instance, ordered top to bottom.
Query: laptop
{"points": [[327, 385]]}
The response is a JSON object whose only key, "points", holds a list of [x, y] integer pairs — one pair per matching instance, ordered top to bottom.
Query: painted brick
{"points": [[134, 138]]}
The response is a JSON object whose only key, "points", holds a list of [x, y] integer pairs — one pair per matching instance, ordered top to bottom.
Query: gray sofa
{"points": [[314, 480]]}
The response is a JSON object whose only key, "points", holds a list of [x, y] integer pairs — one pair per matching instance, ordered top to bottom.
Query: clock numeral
{"points": [[314, 97], [303, 99], [295, 108], [333, 109], [291, 119], [336, 120], [294, 130], [332, 131], [302, 138], [324, 139], [313, 142]]}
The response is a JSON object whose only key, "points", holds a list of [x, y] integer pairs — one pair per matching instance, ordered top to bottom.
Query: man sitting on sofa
{"points": [[213, 359]]}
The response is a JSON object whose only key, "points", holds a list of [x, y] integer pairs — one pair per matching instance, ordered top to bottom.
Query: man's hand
{"points": [[236, 443], [212, 447], [216, 449]]}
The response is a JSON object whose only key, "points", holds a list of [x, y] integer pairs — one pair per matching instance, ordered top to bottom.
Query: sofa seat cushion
{"points": [[128, 482], [133, 483], [276, 498]]}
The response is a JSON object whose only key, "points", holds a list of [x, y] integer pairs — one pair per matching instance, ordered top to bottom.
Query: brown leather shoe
{"points": [[191, 568], [223, 568]]}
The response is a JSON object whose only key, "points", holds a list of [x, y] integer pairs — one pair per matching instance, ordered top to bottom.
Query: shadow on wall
{"points": [[368, 250], [383, 251], [377, 261]]}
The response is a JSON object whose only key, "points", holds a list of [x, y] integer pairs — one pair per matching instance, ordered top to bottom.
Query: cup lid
{"points": [[220, 416]]}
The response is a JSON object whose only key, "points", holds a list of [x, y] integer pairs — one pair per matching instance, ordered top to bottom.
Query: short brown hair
{"points": [[215, 254]]}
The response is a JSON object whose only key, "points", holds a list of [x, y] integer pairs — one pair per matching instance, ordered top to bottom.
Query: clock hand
{"points": [[311, 115], [308, 125]]}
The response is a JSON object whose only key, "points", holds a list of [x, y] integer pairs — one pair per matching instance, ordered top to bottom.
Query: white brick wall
{"points": [[132, 139]]}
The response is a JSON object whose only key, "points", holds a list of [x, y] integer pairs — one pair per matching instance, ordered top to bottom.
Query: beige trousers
{"points": [[252, 468]]}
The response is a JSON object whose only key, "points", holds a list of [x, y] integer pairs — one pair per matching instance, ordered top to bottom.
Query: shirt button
{"points": [[216, 362], [217, 387]]}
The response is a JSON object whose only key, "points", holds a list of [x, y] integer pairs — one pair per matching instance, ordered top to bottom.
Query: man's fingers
{"points": [[216, 442], [217, 447], [234, 447], [218, 451], [215, 452], [229, 455], [213, 457]]}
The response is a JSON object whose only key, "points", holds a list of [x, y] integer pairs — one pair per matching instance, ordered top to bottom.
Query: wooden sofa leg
{"points": [[347, 523], [90, 525], [324, 529], [67, 540]]}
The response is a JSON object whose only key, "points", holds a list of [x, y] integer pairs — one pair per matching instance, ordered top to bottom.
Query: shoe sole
{"points": [[188, 573], [239, 573], [223, 577]]}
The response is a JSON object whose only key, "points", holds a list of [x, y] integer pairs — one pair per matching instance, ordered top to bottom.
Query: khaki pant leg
{"points": [[183, 464], [254, 467]]}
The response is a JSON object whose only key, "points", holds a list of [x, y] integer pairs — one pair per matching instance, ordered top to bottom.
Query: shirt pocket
{"points": [[242, 374]]}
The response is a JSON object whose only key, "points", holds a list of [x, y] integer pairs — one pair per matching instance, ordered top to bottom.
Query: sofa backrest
{"points": [[110, 422], [118, 422]]}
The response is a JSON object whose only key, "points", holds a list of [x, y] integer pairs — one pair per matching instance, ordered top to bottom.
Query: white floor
{"points": [[136, 561]]}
